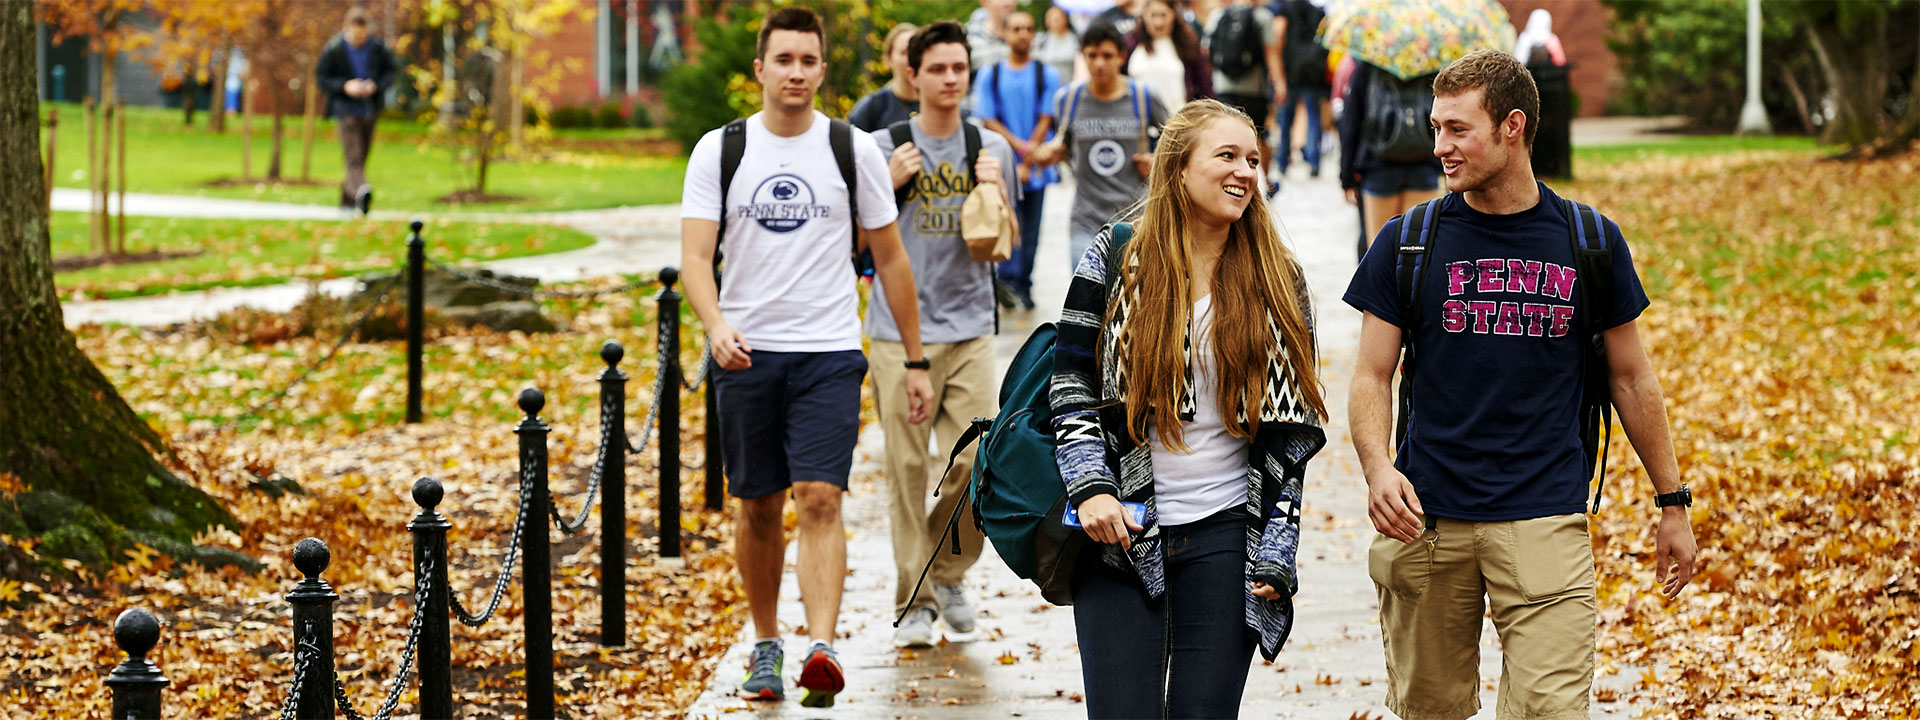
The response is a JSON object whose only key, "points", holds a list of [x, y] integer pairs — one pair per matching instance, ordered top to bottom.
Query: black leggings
{"points": [[1185, 656]]}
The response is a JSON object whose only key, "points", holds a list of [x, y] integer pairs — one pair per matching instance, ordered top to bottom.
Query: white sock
{"points": [[774, 640], [818, 641]]}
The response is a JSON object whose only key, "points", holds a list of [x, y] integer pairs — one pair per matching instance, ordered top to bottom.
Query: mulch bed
{"points": [[82, 262]]}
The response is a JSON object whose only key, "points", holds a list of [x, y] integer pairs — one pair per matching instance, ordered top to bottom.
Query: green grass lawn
{"points": [[1689, 145], [407, 170], [244, 253]]}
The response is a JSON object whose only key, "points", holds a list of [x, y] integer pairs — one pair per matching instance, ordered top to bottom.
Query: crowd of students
{"points": [[1187, 380]]}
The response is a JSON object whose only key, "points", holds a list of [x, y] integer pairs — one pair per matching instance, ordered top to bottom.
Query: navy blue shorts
{"points": [[1391, 180], [792, 417]]}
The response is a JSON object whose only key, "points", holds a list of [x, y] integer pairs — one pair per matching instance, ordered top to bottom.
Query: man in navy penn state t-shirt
{"points": [[1482, 508]]}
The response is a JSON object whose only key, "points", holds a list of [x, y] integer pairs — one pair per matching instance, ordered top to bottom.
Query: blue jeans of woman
{"points": [[1185, 656]]}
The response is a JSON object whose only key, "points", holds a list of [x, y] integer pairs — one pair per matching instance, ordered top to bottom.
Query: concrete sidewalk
{"points": [[1024, 661]]}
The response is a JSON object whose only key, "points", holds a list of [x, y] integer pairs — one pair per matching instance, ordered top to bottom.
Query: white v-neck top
{"points": [[1212, 475]]}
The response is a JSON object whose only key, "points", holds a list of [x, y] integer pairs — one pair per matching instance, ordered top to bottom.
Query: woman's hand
{"points": [[1107, 521], [1263, 591]]}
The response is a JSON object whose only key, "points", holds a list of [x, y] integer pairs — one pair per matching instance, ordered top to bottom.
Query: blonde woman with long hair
{"points": [[1187, 403]]}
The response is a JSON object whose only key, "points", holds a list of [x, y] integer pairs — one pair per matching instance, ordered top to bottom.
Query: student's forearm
{"points": [[998, 127], [1040, 130], [703, 295], [903, 301], [1643, 413], [1370, 419]]}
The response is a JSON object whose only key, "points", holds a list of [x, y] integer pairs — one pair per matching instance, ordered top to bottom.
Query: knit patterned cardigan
{"points": [[1089, 421]]}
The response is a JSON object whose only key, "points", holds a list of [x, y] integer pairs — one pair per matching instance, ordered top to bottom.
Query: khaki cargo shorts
{"points": [[1537, 575]]}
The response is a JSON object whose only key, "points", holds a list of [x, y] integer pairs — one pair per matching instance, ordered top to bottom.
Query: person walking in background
{"points": [[1121, 17], [987, 32], [1537, 43], [1058, 47], [1163, 52], [1246, 68], [355, 71], [1306, 84], [1011, 99], [898, 101], [1106, 129], [1386, 151], [932, 175], [785, 333], [1190, 391], [1484, 502]]}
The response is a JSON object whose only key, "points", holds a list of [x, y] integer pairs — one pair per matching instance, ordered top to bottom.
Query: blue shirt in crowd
{"points": [[1008, 95], [1496, 388]]}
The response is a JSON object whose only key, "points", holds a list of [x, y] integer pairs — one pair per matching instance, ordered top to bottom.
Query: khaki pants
{"points": [[963, 389], [1538, 576]]}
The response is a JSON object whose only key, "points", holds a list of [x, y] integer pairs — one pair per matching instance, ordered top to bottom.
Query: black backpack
{"points": [[1237, 47], [1396, 128], [902, 133], [733, 146], [1592, 259]]}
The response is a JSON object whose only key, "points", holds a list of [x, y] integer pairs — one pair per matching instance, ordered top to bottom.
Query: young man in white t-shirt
{"points": [[786, 335]]}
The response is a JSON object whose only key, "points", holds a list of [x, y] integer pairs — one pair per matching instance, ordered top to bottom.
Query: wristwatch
{"points": [[919, 364], [1683, 497]]}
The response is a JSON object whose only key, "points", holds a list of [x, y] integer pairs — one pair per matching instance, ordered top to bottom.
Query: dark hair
{"points": [[357, 16], [797, 19], [939, 33], [1102, 33], [1186, 45], [1506, 84]]}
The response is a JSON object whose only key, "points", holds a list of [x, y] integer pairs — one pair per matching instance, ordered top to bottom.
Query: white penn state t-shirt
{"points": [[789, 284]]}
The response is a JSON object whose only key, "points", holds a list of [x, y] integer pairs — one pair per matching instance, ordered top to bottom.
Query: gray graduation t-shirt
{"points": [[1105, 135], [955, 292]]}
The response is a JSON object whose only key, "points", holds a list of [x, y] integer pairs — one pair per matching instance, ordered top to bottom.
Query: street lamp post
{"points": [[1753, 115]]}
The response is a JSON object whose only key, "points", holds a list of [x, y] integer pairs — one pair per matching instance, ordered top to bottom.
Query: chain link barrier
{"points": [[524, 291], [607, 423], [506, 569], [425, 582], [302, 661]]}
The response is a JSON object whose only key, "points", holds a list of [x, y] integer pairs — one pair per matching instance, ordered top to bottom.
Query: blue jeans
{"points": [[1297, 95], [1017, 271], [1194, 642]]}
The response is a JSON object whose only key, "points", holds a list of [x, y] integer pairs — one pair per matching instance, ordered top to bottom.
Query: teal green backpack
{"points": [[1018, 495]]}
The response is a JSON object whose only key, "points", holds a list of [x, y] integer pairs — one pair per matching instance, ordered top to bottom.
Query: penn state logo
{"points": [[1107, 157], [782, 204]]}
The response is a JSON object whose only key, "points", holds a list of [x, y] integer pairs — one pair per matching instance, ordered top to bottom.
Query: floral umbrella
{"points": [[1410, 38]]}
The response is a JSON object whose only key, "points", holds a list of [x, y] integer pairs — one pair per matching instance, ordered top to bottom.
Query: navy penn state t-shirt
{"points": [[1496, 388]]}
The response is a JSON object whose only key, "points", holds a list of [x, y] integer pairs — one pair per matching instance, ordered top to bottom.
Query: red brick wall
{"points": [[1582, 27], [573, 40]]}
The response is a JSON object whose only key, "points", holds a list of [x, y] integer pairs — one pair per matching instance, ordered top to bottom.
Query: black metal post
{"points": [[416, 317], [669, 400], [716, 473], [613, 502], [537, 578], [312, 601], [435, 658], [136, 682]]}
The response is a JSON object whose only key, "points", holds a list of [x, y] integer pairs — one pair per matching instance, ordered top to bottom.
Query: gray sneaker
{"points": [[954, 608], [917, 630], [763, 676]]}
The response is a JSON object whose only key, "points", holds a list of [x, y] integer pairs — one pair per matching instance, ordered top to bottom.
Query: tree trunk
{"points": [[1855, 67], [247, 87], [188, 92], [217, 113], [306, 126], [279, 136], [88, 461]]}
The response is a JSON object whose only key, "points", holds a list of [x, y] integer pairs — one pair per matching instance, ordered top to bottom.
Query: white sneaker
{"points": [[954, 608], [916, 631]]}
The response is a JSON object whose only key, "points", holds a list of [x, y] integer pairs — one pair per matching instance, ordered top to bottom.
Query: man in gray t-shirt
{"points": [[1108, 123], [956, 292]]}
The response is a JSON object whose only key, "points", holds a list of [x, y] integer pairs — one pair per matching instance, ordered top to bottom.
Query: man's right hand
{"points": [[1048, 153], [904, 164], [1353, 196], [730, 348], [1393, 505], [1107, 521]]}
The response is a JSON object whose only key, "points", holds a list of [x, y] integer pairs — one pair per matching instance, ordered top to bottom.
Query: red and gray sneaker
{"points": [[763, 674], [820, 676]]}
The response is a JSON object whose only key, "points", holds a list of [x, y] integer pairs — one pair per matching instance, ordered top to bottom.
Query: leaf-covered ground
{"points": [[246, 253], [1784, 328]]}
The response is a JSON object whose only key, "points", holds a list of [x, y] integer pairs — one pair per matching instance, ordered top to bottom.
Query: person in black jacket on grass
{"points": [[355, 72]]}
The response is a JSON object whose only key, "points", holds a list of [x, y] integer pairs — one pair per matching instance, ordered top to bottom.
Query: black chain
{"points": [[525, 291], [706, 364], [607, 424], [513, 555], [424, 583], [301, 662]]}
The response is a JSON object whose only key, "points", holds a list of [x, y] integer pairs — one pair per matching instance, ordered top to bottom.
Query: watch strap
{"points": [[919, 364]]}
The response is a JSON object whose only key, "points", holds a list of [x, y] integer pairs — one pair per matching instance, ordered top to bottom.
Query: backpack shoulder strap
{"points": [[1074, 92], [1141, 96], [902, 133], [840, 135], [972, 138], [733, 147], [1410, 261], [1593, 289]]}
